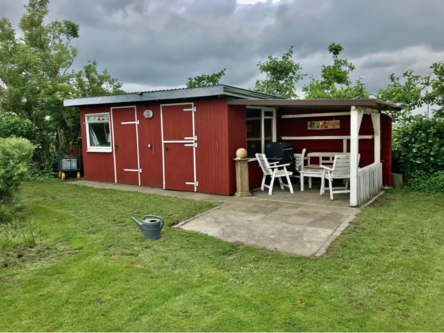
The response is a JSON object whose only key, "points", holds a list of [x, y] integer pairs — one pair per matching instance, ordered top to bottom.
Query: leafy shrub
{"points": [[12, 125], [419, 148], [15, 155], [42, 171], [427, 183]]}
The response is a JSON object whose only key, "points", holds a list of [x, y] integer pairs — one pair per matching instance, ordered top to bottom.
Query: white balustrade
{"points": [[369, 182]]}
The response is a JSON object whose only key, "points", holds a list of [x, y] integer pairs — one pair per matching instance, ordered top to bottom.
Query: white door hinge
{"points": [[191, 109], [193, 183]]}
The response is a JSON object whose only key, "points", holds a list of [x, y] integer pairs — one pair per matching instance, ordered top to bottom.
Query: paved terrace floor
{"points": [[303, 224]]}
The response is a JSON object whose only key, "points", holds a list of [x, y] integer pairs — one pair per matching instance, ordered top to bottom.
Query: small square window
{"points": [[98, 133]]}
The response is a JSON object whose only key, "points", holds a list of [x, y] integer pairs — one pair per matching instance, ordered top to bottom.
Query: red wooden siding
{"points": [[177, 123], [220, 131], [150, 134], [237, 138], [125, 146], [386, 149], [213, 157], [179, 159], [96, 166], [179, 167], [254, 174]]}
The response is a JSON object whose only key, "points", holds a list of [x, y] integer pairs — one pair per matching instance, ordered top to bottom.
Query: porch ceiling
{"points": [[329, 104]]}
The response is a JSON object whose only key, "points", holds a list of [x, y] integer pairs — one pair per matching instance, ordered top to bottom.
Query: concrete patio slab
{"points": [[302, 224], [255, 230]]}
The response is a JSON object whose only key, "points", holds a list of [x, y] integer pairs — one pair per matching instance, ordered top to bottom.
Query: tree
{"points": [[282, 75], [35, 77], [205, 80], [335, 82], [85, 83], [406, 90], [436, 96]]}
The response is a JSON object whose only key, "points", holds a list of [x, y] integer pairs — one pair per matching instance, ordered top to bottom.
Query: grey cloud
{"points": [[163, 42]]}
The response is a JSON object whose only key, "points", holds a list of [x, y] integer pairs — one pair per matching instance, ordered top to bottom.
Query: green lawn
{"points": [[93, 271]]}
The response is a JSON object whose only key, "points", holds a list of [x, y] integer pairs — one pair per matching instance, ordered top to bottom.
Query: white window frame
{"points": [[262, 119], [90, 149]]}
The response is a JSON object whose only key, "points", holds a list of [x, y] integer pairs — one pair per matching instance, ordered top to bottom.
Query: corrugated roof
{"points": [[170, 94]]}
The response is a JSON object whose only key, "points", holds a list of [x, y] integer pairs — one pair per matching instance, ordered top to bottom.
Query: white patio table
{"points": [[315, 170]]}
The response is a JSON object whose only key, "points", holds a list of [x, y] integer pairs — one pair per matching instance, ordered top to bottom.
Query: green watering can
{"points": [[151, 226]]}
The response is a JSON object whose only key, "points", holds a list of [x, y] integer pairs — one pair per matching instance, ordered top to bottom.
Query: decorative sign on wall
{"points": [[324, 125]]}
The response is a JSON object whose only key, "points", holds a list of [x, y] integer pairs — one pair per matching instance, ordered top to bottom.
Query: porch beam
{"points": [[314, 115], [376, 120], [355, 124], [326, 137]]}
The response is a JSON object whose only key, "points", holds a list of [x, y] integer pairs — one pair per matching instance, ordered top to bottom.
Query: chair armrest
{"points": [[272, 163], [280, 165], [326, 168]]}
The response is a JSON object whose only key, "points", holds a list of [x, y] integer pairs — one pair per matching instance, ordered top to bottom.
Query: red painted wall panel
{"points": [[221, 130], [150, 134], [237, 136], [125, 146], [386, 149], [213, 157], [179, 159], [96, 166], [179, 167], [255, 174]]}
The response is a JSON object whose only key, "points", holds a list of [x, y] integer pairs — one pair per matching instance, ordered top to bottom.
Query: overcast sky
{"points": [[155, 44]]}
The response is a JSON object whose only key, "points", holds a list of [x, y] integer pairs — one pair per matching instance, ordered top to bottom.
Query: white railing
{"points": [[369, 182]]}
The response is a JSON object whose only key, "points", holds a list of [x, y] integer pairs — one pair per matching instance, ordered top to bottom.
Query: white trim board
{"points": [[315, 115], [336, 137]]}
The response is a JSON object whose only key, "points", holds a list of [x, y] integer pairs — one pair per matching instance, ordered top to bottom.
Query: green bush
{"points": [[13, 126], [418, 148], [15, 155], [44, 170], [427, 183]]}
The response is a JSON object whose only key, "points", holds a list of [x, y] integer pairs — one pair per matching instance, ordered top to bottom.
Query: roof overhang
{"points": [[173, 94], [328, 104]]}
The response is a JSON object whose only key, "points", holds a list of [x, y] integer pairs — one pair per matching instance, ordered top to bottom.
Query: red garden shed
{"points": [[186, 139]]}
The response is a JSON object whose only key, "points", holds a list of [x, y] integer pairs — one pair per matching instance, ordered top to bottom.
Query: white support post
{"points": [[376, 119], [355, 124], [262, 131]]}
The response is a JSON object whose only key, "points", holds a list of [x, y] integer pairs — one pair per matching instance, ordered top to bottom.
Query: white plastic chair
{"points": [[299, 160], [273, 170], [339, 170]]}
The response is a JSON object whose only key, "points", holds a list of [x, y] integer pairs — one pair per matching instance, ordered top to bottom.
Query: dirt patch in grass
{"points": [[38, 255]]}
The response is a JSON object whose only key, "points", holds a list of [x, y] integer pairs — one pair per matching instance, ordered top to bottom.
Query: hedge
{"points": [[15, 155]]}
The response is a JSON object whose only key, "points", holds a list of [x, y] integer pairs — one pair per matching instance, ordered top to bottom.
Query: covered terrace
{"points": [[361, 130]]}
